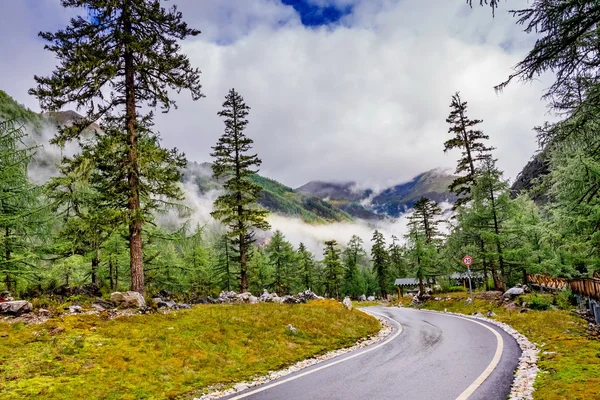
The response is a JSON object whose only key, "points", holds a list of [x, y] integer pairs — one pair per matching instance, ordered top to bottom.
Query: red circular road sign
{"points": [[467, 260]]}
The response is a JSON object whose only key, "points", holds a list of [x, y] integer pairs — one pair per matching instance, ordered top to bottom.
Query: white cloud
{"points": [[365, 101]]}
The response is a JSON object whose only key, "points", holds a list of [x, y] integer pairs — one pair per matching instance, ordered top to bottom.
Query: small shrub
{"points": [[453, 289], [564, 299], [540, 303]]}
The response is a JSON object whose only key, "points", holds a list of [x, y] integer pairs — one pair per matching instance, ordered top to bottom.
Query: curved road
{"points": [[432, 357]]}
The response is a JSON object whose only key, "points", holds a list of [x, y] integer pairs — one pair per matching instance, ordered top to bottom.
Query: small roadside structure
{"points": [[462, 279], [405, 283]]}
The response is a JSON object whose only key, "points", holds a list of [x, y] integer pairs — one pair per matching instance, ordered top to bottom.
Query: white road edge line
{"points": [[490, 368], [263, 388]]}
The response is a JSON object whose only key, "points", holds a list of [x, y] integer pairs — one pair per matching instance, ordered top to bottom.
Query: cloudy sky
{"points": [[339, 89]]}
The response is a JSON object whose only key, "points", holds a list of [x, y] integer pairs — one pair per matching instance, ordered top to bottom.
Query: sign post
{"points": [[468, 260]]}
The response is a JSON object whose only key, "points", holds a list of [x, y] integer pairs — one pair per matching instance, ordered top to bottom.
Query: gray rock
{"points": [[513, 292], [362, 297], [371, 298], [128, 299], [287, 299], [253, 300], [347, 303], [166, 304], [184, 306], [17, 307], [98, 307], [75, 309], [43, 312], [491, 314], [290, 328]]}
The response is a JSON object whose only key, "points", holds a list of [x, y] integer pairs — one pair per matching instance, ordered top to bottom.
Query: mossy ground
{"points": [[168, 356], [569, 357]]}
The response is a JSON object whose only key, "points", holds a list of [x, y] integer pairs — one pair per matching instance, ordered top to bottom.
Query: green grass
{"points": [[170, 356], [571, 369]]}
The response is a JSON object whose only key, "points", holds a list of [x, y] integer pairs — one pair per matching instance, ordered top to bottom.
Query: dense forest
{"points": [[94, 222]]}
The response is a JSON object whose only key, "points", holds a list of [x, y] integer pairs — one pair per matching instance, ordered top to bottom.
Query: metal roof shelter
{"points": [[406, 282]]}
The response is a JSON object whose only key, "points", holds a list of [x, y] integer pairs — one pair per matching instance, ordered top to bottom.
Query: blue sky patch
{"points": [[313, 15]]}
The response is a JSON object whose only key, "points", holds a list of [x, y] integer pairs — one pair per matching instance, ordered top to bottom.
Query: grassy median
{"points": [[170, 356], [569, 358]]}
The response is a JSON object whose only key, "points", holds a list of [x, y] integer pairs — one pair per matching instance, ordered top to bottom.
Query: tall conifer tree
{"points": [[126, 54], [467, 138], [238, 208], [380, 258]]}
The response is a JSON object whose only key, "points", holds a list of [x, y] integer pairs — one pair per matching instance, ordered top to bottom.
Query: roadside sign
{"points": [[467, 260]]}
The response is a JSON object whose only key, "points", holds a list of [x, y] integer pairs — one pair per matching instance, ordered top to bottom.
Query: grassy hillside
{"points": [[12, 110]]}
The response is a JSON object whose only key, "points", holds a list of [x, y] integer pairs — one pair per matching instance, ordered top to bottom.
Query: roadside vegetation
{"points": [[168, 356], [569, 358]]}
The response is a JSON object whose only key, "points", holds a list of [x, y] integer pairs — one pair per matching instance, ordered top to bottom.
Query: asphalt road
{"points": [[432, 357]]}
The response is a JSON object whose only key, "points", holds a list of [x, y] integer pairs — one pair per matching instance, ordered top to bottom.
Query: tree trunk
{"points": [[498, 245], [7, 256], [136, 261], [95, 264], [485, 265], [243, 266], [110, 272]]}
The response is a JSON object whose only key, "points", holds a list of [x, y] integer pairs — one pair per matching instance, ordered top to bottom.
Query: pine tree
{"points": [[127, 54], [467, 138], [20, 208], [238, 208], [426, 215], [483, 223], [423, 237], [353, 256], [380, 258], [283, 259], [398, 264], [225, 265], [306, 267], [333, 269], [260, 270]]}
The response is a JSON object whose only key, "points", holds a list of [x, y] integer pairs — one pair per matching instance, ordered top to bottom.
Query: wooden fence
{"points": [[589, 287]]}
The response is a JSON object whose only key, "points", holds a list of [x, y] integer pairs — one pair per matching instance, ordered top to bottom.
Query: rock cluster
{"points": [[266, 297], [219, 391]]}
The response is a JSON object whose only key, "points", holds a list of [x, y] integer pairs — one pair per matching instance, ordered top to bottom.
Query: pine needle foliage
{"points": [[238, 208]]}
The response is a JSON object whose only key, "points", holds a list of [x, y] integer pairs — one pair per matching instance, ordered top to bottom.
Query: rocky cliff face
{"points": [[530, 177]]}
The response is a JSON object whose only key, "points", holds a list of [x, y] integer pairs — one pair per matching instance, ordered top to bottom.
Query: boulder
{"points": [[514, 292], [243, 297], [362, 297], [371, 298], [128, 299], [287, 299], [253, 300], [347, 303], [166, 304], [183, 306], [16, 307], [75, 309], [491, 314]]}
